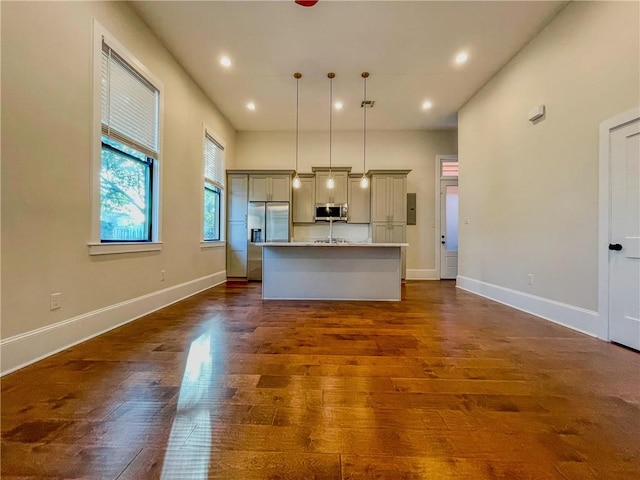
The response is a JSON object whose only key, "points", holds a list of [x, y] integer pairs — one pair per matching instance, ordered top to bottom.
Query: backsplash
{"points": [[352, 233]]}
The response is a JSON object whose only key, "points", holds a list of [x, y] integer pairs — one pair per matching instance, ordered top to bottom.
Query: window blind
{"points": [[129, 104], [213, 161], [449, 169]]}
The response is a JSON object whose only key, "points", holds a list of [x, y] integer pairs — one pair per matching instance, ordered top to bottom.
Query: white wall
{"points": [[415, 150], [46, 181], [531, 190]]}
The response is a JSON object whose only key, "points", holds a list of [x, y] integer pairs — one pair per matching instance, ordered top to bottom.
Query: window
{"points": [[126, 166], [449, 168], [126, 181], [213, 187]]}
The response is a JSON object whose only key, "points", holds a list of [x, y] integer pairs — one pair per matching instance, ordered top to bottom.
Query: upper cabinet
{"points": [[269, 188], [337, 194], [389, 196], [236, 198], [304, 199], [359, 201]]}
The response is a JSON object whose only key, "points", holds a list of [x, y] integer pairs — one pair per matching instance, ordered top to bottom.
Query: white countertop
{"points": [[322, 244]]}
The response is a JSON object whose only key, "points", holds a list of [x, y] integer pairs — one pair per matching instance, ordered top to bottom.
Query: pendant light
{"points": [[296, 179], [330, 181], [364, 181]]}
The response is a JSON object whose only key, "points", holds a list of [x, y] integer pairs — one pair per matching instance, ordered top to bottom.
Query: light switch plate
{"points": [[55, 301]]}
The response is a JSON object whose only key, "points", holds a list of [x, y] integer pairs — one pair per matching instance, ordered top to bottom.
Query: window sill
{"points": [[213, 244], [123, 247]]}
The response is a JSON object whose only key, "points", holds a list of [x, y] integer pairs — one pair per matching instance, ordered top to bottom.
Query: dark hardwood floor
{"points": [[443, 385]]}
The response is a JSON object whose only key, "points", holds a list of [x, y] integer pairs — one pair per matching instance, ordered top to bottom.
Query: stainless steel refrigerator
{"points": [[266, 222]]}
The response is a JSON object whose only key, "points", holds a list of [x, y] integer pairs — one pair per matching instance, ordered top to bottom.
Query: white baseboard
{"points": [[422, 274], [576, 318], [26, 348]]}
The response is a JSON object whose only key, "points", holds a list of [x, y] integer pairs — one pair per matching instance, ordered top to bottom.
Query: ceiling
{"points": [[408, 47]]}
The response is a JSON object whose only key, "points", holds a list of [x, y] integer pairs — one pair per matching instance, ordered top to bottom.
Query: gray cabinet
{"points": [[244, 186], [269, 188], [237, 190], [338, 194], [389, 198], [304, 199], [359, 200], [389, 208], [383, 232]]}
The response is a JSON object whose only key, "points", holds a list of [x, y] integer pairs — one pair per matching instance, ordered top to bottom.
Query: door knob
{"points": [[615, 246]]}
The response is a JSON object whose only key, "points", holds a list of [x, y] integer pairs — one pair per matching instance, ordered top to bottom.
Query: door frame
{"points": [[444, 183], [604, 222], [436, 238]]}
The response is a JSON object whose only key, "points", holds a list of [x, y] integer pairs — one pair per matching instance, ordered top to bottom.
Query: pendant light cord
{"points": [[297, 75], [331, 75], [330, 120], [364, 134]]}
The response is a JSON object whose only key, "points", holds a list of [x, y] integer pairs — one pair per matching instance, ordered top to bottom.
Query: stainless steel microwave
{"points": [[331, 211]]}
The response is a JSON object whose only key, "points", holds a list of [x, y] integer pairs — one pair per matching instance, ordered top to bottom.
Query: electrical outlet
{"points": [[466, 220], [162, 275], [530, 279], [55, 301]]}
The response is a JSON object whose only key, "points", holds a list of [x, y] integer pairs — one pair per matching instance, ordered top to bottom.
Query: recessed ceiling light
{"points": [[461, 57], [225, 61], [338, 105], [426, 105], [251, 106]]}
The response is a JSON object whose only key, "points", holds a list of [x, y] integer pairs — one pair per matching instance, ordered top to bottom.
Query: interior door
{"points": [[449, 229], [624, 255]]}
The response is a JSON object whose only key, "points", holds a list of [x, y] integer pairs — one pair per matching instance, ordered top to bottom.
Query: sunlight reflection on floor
{"points": [[194, 411]]}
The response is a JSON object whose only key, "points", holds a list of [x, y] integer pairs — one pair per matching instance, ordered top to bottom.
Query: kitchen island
{"points": [[331, 271]]}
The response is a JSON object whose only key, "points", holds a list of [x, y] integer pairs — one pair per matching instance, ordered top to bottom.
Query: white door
{"points": [[448, 229], [624, 255]]}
